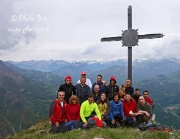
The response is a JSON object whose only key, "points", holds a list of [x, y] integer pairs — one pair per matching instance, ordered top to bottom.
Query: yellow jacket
{"points": [[87, 108]]}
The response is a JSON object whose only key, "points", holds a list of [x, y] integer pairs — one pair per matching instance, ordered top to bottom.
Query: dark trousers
{"points": [[91, 116], [118, 117], [143, 118], [107, 119], [129, 120], [61, 128]]}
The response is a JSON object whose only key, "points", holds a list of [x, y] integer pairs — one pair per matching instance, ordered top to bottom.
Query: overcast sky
{"points": [[72, 29]]}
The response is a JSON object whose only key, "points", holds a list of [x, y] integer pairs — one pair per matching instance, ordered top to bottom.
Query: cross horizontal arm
{"points": [[150, 36], [119, 38]]}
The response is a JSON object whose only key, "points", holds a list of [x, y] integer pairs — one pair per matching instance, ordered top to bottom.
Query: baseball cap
{"points": [[83, 73], [68, 77]]}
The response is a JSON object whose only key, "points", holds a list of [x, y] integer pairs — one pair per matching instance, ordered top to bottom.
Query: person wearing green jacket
{"points": [[89, 109]]}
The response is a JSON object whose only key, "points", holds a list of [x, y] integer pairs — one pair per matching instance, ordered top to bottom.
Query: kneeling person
{"points": [[129, 106], [89, 109], [116, 109], [144, 109]]}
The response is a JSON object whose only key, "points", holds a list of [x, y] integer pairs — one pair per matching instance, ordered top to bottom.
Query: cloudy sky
{"points": [[72, 29]]}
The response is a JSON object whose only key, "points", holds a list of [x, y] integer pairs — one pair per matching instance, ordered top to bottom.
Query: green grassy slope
{"points": [[41, 131]]}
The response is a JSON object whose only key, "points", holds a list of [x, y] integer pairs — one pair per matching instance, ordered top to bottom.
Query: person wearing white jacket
{"points": [[88, 81]]}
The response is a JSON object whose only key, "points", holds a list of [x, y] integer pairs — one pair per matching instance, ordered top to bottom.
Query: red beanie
{"points": [[68, 77], [112, 78]]}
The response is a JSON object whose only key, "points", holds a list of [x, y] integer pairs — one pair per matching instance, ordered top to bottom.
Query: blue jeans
{"points": [[129, 120]]}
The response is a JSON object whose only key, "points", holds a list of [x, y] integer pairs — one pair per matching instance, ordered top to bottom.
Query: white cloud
{"points": [[76, 27]]}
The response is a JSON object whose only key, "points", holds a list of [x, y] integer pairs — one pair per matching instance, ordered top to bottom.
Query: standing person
{"points": [[88, 81], [100, 83], [68, 88], [111, 88], [129, 89], [82, 90], [96, 92], [137, 95], [147, 98], [129, 106], [104, 108], [73, 109], [116, 109], [144, 109], [88, 110], [57, 113]]}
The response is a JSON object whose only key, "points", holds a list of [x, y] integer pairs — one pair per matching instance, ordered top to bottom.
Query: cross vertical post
{"points": [[130, 47]]}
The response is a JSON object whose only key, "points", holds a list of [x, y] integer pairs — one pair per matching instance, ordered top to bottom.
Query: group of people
{"points": [[84, 104]]}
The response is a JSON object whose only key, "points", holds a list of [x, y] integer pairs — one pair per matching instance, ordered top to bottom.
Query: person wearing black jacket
{"points": [[68, 88], [111, 88], [129, 89], [137, 95]]}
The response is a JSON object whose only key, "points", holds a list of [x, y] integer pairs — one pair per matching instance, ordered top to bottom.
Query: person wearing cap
{"points": [[88, 81], [68, 88], [111, 88]]}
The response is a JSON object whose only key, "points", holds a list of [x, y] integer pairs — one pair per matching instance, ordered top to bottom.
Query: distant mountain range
{"points": [[142, 69]]}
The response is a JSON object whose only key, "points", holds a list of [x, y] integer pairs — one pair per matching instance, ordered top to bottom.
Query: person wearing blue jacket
{"points": [[100, 83], [116, 109]]}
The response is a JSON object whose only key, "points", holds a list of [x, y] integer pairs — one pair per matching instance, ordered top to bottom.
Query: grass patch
{"points": [[41, 131]]}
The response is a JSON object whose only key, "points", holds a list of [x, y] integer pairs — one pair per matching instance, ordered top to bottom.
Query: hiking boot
{"points": [[148, 124]]}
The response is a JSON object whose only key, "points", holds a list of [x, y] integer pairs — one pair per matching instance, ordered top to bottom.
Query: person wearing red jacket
{"points": [[147, 98], [129, 106], [73, 109], [57, 113]]}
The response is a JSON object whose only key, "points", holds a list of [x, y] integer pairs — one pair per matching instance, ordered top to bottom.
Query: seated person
{"points": [[96, 92], [147, 98], [129, 105], [104, 107], [73, 109], [88, 109], [116, 109], [144, 110], [57, 113]]}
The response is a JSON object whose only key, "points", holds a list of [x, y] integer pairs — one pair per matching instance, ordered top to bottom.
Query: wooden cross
{"points": [[130, 38]]}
